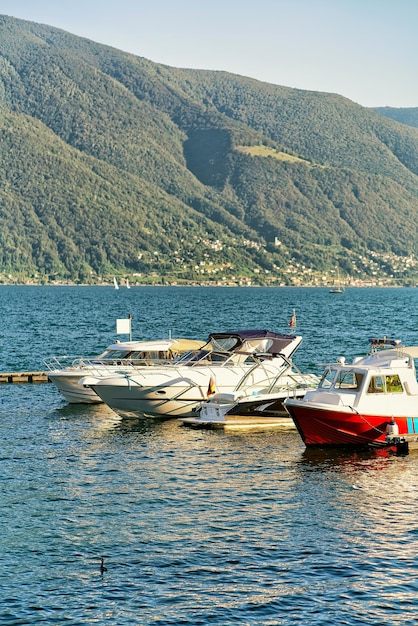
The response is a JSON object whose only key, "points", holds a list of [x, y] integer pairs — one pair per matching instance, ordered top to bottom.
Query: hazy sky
{"points": [[365, 50]]}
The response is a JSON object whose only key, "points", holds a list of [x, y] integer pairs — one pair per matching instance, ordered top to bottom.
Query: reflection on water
{"points": [[86, 411], [320, 458], [197, 526], [206, 527]]}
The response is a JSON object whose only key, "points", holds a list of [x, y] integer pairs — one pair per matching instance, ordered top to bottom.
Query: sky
{"points": [[364, 50]]}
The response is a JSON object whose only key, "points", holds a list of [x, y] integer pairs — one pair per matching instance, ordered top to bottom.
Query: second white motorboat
{"points": [[230, 361], [65, 372]]}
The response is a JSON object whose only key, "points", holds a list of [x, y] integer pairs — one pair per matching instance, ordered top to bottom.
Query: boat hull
{"points": [[177, 391], [73, 392], [153, 402], [261, 409], [252, 413], [325, 427]]}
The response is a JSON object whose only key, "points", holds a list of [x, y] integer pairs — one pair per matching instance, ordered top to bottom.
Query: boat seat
{"points": [[324, 397]]}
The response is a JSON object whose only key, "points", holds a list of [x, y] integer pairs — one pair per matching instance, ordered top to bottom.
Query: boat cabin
{"points": [[128, 353], [379, 378]]}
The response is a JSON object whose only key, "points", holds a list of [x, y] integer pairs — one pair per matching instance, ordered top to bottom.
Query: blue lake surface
{"points": [[196, 527]]}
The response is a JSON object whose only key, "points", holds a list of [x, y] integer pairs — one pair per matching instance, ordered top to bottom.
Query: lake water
{"points": [[196, 527]]}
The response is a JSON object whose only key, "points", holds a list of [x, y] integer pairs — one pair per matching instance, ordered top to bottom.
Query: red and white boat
{"points": [[373, 400]]}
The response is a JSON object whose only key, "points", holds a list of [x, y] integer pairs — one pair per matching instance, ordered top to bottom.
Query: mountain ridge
{"points": [[156, 153]]}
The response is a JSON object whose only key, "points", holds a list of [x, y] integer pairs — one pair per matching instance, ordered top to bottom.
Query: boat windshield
{"points": [[225, 344], [112, 355], [133, 356], [203, 357], [328, 378], [341, 379], [347, 379]]}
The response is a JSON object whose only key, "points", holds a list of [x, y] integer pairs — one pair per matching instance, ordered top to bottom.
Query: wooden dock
{"points": [[23, 377]]}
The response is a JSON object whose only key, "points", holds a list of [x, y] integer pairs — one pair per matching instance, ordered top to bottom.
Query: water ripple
{"points": [[196, 527]]}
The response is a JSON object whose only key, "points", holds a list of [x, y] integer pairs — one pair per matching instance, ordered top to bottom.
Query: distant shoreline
{"points": [[196, 285]]}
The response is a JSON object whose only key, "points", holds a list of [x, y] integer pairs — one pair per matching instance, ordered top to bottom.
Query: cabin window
{"points": [[112, 355], [152, 355], [145, 358], [218, 358], [252, 360], [348, 380], [385, 384], [393, 384], [376, 385]]}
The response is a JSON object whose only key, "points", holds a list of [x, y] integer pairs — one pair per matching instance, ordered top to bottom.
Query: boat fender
{"points": [[392, 429]]}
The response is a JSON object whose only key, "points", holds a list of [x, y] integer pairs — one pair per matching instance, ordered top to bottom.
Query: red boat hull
{"points": [[319, 427]]}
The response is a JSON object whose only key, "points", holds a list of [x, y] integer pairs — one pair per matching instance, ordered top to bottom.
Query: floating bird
{"points": [[102, 567]]}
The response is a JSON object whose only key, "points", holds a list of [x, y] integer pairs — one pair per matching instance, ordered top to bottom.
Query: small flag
{"points": [[292, 322], [211, 388]]}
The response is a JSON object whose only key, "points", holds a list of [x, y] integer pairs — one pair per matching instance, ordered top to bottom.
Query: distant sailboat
{"points": [[115, 282], [127, 284], [337, 287]]}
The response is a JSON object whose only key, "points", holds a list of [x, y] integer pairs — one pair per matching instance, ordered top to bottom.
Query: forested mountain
{"points": [[407, 116], [113, 164]]}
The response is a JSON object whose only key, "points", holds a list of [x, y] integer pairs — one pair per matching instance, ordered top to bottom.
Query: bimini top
{"points": [[261, 341], [174, 345]]}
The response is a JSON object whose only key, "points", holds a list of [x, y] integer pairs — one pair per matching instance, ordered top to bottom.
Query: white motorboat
{"points": [[229, 362], [65, 372], [255, 409]]}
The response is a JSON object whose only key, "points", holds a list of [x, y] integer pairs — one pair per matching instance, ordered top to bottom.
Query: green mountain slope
{"points": [[408, 116], [114, 164]]}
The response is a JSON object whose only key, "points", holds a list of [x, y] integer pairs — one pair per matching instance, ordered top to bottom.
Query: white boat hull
{"points": [[73, 392], [174, 392], [177, 400]]}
